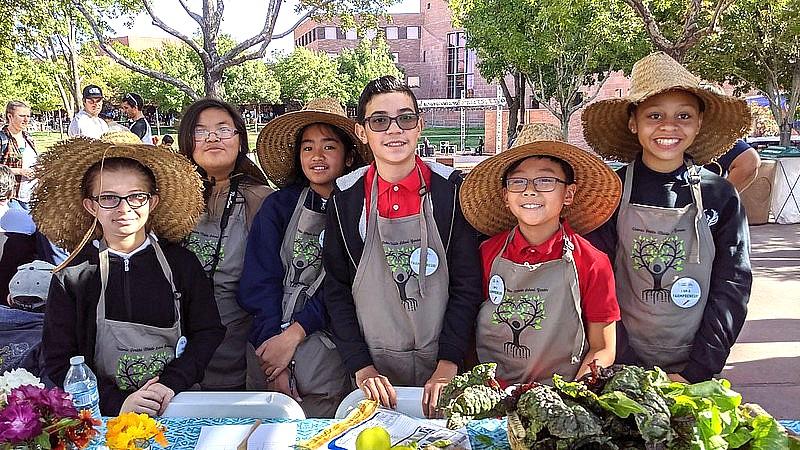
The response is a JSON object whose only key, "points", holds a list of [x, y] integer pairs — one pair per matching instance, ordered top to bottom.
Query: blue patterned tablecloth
{"points": [[489, 434]]}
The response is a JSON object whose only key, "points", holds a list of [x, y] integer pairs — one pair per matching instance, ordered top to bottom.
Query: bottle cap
{"points": [[76, 360]]}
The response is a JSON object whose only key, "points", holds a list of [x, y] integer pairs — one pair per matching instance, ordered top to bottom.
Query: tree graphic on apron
{"points": [[204, 249], [307, 252], [657, 257], [399, 260], [519, 314], [134, 370]]}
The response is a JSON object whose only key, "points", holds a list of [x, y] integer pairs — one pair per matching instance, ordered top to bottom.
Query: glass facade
{"points": [[460, 65]]}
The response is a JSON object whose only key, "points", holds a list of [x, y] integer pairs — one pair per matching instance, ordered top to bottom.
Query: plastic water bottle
{"points": [[82, 384]]}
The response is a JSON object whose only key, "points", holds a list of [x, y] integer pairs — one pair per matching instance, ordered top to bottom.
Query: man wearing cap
{"points": [[132, 105], [86, 122], [21, 322]]}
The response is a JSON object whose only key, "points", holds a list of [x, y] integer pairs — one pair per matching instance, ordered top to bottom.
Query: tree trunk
{"points": [[73, 60], [213, 85], [786, 132]]}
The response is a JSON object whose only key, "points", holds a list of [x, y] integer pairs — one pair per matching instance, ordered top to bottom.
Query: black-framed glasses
{"points": [[406, 121], [201, 134], [540, 184], [111, 201]]}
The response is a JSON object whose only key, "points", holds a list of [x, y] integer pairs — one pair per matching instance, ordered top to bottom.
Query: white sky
{"points": [[242, 19]]}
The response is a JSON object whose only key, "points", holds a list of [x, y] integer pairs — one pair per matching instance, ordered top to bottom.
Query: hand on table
{"points": [[276, 352], [445, 371], [376, 386], [164, 392], [144, 400]]}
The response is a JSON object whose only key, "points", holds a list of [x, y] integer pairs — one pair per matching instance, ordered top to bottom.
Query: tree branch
{"points": [[196, 17], [650, 24], [186, 39], [125, 62]]}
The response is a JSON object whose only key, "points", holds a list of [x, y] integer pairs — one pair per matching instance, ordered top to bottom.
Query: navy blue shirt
{"points": [[722, 165], [261, 284]]}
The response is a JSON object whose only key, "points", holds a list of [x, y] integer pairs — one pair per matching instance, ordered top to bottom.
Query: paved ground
{"points": [[764, 365]]}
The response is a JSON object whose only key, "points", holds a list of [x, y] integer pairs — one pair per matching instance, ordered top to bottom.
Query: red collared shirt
{"points": [[401, 199], [595, 275]]}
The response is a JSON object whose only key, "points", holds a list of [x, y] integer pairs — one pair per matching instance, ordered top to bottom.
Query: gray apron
{"points": [[663, 272], [400, 307], [531, 325], [133, 353], [228, 366], [316, 369]]}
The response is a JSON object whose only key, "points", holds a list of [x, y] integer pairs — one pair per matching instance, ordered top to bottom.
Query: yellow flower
{"points": [[124, 430]]}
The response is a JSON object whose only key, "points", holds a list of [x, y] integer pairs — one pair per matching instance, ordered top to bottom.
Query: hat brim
{"points": [[725, 119], [275, 146], [596, 198], [57, 200]]}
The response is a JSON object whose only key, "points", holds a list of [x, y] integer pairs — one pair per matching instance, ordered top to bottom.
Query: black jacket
{"points": [[344, 245], [141, 295]]}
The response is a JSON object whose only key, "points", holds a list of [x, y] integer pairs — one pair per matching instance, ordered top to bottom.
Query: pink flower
{"points": [[48, 402], [19, 422]]}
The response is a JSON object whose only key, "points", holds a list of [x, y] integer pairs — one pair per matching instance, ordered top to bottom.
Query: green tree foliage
{"points": [[758, 47], [561, 49], [369, 60], [305, 75], [23, 78], [251, 82]]}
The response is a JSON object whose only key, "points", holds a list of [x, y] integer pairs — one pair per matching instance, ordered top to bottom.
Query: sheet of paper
{"points": [[403, 430], [273, 436], [221, 437]]}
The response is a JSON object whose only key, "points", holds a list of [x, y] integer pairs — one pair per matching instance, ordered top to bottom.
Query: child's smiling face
{"points": [[666, 125], [394, 145], [531, 207], [123, 221]]}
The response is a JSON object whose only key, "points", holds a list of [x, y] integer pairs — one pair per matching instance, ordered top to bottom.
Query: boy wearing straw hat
{"points": [[302, 153], [679, 241], [402, 283], [132, 301], [550, 302]]}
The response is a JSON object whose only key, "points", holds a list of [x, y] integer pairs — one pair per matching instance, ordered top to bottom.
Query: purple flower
{"points": [[51, 403], [59, 403], [19, 422]]}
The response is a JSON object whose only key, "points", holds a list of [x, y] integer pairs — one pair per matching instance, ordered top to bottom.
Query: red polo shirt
{"points": [[401, 199], [595, 276]]}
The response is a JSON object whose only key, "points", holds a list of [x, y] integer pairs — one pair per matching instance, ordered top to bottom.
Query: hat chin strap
{"points": [[80, 246]]}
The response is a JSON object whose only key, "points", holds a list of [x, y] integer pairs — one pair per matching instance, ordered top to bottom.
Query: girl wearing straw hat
{"points": [[212, 134], [302, 152], [679, 240], [550, 301], [133, 302]]}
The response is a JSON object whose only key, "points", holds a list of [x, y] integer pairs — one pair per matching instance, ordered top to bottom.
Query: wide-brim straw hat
{"points": [[605, 123], [276, 142], [596, 198], [57, 200]]}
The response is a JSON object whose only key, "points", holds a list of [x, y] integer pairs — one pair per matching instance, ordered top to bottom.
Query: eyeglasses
{"points": [[406, 121], [223, 133], [540, 184], [111, 201]]}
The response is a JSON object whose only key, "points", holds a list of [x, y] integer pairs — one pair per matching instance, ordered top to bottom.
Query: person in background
{"points": [[132, 105], [107, 114], [86, 121], [212, 135], [167, 141], [17, 150], [17, 241], [21, 322]]}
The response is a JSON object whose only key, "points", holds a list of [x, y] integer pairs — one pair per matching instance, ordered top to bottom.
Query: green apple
{"points": [[373, 438]]}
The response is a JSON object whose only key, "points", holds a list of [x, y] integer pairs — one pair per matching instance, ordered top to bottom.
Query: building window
{"points": [[429, 6], [412, 32], [330, 33], [371, 33], [391, 33], [351, 35], [395, 56], [460, 65], [413, 82], [618, 92]]}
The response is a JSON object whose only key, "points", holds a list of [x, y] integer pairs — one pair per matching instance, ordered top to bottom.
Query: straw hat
{"points": [[605, 123], [276, 142], [596, 198], [57, 208]]}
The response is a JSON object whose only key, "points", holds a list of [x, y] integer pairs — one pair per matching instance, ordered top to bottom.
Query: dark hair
{"points": [[382, 85], [134, 100], [12, 106], [701, 106], [189, 120], [167, 139], [349, 151], [114, 164], [569, 173], [7, 182]]}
